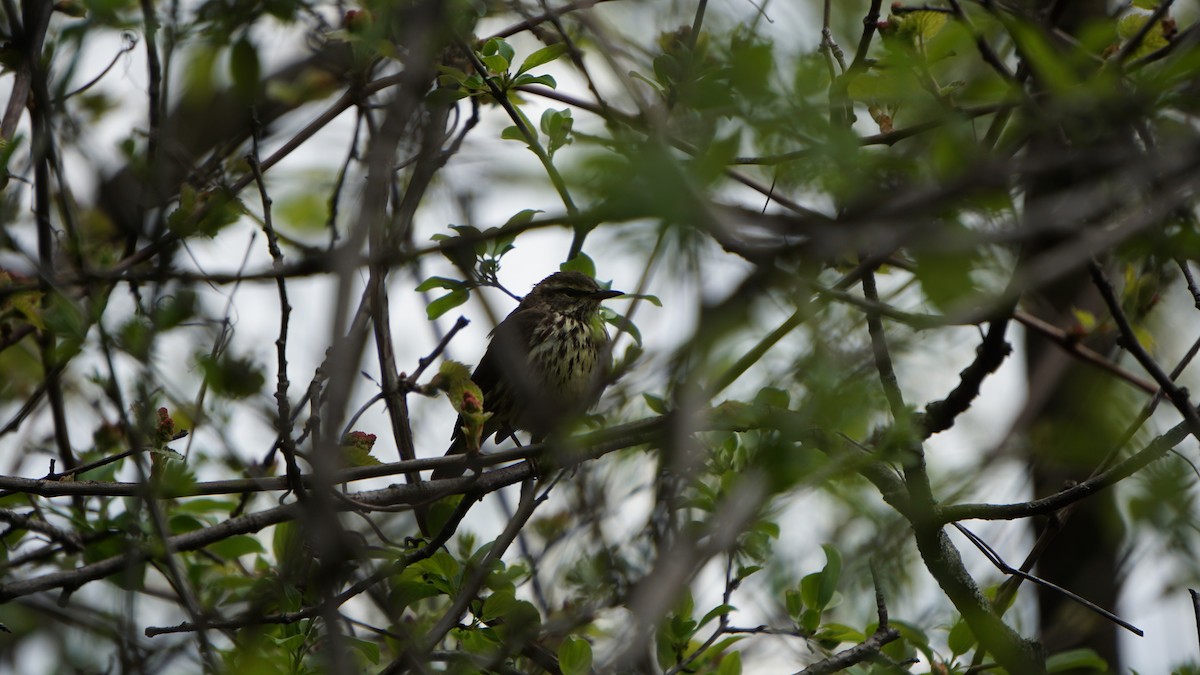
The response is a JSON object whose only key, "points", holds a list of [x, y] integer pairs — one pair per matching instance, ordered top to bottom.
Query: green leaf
{"points": [[1131, 24], [925, 25], [498, 46], [543, 56], [1048, 63], [496, 64], [667, 69], [244, 70], [449, 75], [198, 76], [544, 80], [892, 88], [446, 95], [550, 122], [557, 125], [513, 133], [307, 211], [205, 213], [523, 217], [498, 242], [462, 250], [580, 263], [945, 278], [438, 282], [652, 299], [446, 303], [29, 305], [173, 310], [1085, 319], [622, 324], [136, 337], [232, 376], [772, 397], [655, 403], [166, 454], [356, 455], [173, 476], [204, 505], [441, 511], [182, 522], [768, 528], [287, 542], [236, 546], [441, 564], [747, 570], [830, 575], [812, 590], [405, 593], [794, 603], [498, 605], [685, 607], [715, 612], [810, 620], [521, 621], [840, 633], [913, 637], [961, 639], [479, 641], [291, 643], [718, 649], [369, 650], [664, 650], [575, 656], [1076, 659], [731, 664]]}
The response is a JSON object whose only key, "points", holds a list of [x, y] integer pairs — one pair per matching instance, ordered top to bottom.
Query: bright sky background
{"points": [[927, 375]]}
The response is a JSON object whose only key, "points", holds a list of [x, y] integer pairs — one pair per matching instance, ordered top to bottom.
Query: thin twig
{"points": [[870, 23], [525, 25], [131, 41], [985, 50], [531, 139], [1191, 281], [1130, 342], [1072, 345], [424, 361], [283, 412], [1155, 450], [998, 562], [1195, 606]]}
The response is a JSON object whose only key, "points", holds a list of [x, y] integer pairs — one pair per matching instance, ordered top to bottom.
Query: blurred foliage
{"points": [[759, 488]]}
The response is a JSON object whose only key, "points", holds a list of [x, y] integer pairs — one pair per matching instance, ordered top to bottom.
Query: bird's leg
{"points": [[505, 432], [534, 439]]}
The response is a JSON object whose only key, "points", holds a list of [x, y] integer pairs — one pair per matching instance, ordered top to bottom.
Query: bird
{"points": [[547, 363]]}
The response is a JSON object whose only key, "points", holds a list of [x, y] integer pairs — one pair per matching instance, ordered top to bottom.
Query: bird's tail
{"points": [[458, 446]]}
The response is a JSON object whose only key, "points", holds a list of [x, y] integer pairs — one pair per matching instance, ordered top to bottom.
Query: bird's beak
{"points": [[605, 295]]}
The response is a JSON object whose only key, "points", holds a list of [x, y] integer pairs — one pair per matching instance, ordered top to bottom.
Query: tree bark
{"points": [[1066, 422]]}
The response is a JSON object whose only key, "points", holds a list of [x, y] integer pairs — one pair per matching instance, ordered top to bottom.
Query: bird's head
{"points": [[569, 293]]}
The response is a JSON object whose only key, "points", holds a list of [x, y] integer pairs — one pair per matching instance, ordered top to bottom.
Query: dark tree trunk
{"points": [[1067, 423]]}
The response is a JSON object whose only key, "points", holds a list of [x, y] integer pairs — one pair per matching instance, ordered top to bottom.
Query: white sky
{"points": [[926, 374]]}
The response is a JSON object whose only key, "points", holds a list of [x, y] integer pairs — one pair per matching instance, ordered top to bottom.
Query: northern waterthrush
{"points": [[547, 362]]}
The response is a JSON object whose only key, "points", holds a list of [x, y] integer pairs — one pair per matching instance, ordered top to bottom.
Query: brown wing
{"points": [[502, 366]]}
